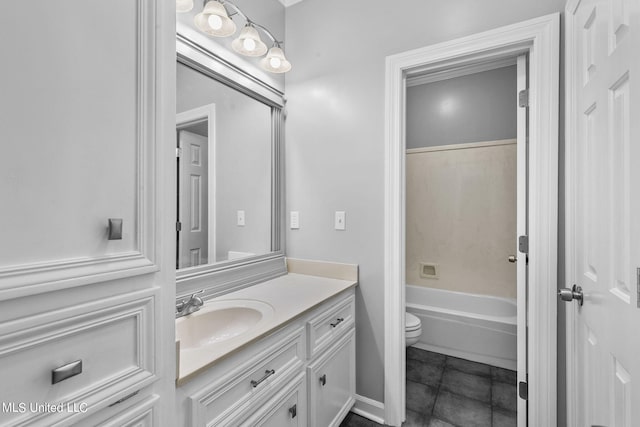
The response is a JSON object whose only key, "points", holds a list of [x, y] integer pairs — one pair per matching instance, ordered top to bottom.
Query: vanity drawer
{"points": [[325, 328], [109, 344], [253, 381], [287, 409]]}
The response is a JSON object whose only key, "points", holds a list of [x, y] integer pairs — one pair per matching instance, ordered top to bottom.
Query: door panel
{"points": [[604, 190], [194, 214]]}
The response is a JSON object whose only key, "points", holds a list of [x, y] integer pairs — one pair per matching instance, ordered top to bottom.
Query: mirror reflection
{"points": [[224, 172]]}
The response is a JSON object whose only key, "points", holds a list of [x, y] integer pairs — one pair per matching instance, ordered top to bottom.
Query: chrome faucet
{"points": [[191, 305]]}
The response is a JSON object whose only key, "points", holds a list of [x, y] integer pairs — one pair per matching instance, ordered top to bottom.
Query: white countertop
{"points": [[290, 296]]}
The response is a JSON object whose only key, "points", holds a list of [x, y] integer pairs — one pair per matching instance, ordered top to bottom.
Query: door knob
{"points": [[512, 258], [575, 292]]}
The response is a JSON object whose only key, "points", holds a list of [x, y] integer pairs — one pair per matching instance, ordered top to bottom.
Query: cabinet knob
{"points": [[115, 228], [67, 371], [323, 379], [293, 411]]}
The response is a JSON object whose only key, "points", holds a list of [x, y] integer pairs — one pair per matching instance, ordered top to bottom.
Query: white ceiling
{"points": [[288, 3]]}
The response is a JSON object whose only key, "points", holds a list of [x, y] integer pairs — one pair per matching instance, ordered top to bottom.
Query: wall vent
{"points": [[428, 270]]}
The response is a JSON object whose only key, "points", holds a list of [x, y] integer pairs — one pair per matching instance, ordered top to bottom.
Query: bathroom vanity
{"points": [[274, 342], [291, 364]]}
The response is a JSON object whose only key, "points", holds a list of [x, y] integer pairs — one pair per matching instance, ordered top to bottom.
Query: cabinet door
{"points": [[78, 144], [332, 383]]}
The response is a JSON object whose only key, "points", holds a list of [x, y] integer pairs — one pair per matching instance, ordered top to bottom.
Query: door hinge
{"points": [[523, 98], [178, 152], [178, 226], [523, 244], [523, 390]]}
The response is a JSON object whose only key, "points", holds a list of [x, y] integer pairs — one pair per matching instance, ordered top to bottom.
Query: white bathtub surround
{"points": [[461, 216], [289, 296], [473, 327]]}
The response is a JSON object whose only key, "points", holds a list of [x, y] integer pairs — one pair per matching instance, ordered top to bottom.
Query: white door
{"points": [[193, 200], [603, 212], [521, 226]]}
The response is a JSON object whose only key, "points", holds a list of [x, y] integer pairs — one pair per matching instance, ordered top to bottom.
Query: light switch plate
{"points": [[240, 218], [295, 220], [340, 221]]}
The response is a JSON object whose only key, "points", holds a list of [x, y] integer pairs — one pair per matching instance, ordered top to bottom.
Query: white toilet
{"points": [[412, 329]]}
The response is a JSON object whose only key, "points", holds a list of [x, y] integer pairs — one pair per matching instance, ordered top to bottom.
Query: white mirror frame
{"points": [[220, 278]]}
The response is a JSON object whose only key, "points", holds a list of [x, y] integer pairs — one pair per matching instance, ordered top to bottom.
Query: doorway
{"points": [[539, 39], [465, 191]]}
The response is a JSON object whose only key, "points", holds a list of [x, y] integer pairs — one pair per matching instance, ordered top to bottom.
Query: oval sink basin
{"points": [[219, 321]]}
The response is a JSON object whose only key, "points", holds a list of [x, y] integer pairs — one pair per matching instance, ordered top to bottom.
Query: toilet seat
{"points": [[411, 322], [412, 329]]}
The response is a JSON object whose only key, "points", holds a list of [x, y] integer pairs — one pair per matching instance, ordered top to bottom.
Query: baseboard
{"points": [[488, 360], [369, 408]]}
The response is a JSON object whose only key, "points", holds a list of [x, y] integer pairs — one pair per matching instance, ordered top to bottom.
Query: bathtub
{"points": [[474, 327]]}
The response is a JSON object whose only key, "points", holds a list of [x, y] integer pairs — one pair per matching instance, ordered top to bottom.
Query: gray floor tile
{"points": [[430, 357], [468, 366], [424, 372], [504, 375], [473, 386], [444, 391], [504, 396], [420, 397], [462, 411], [502, 418], [415, 419], [355, 420], [439, 423]]}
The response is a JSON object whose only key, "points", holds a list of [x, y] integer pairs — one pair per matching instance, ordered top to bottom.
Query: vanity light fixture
{"points": [[183, 6], [215, 20], [248, 42], [275, 61]]}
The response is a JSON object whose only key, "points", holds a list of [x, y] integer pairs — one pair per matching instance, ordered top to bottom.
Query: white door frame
{"points": [[540, 37], [206, 112], [570, 211]]}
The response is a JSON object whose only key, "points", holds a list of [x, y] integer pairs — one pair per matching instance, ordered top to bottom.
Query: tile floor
{"points": [[445, 391]]}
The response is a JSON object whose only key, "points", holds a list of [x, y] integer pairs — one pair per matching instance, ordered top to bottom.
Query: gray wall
{"points": [[473, 108], [335, 131]]}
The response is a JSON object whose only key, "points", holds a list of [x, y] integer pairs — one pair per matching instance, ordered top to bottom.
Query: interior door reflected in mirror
{"points": [[224, 159]]}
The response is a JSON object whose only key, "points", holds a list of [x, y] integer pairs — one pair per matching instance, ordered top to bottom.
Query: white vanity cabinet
{"points": [[84, 258], [275, 381]]}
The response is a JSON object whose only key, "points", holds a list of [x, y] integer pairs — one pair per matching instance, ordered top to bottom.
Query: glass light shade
{"points": [[183, 6], [213, 20], [248, 42], [275, 62]]}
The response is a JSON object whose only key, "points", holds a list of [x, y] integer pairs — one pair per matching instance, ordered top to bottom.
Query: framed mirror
{"points": [[229, 174]]}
